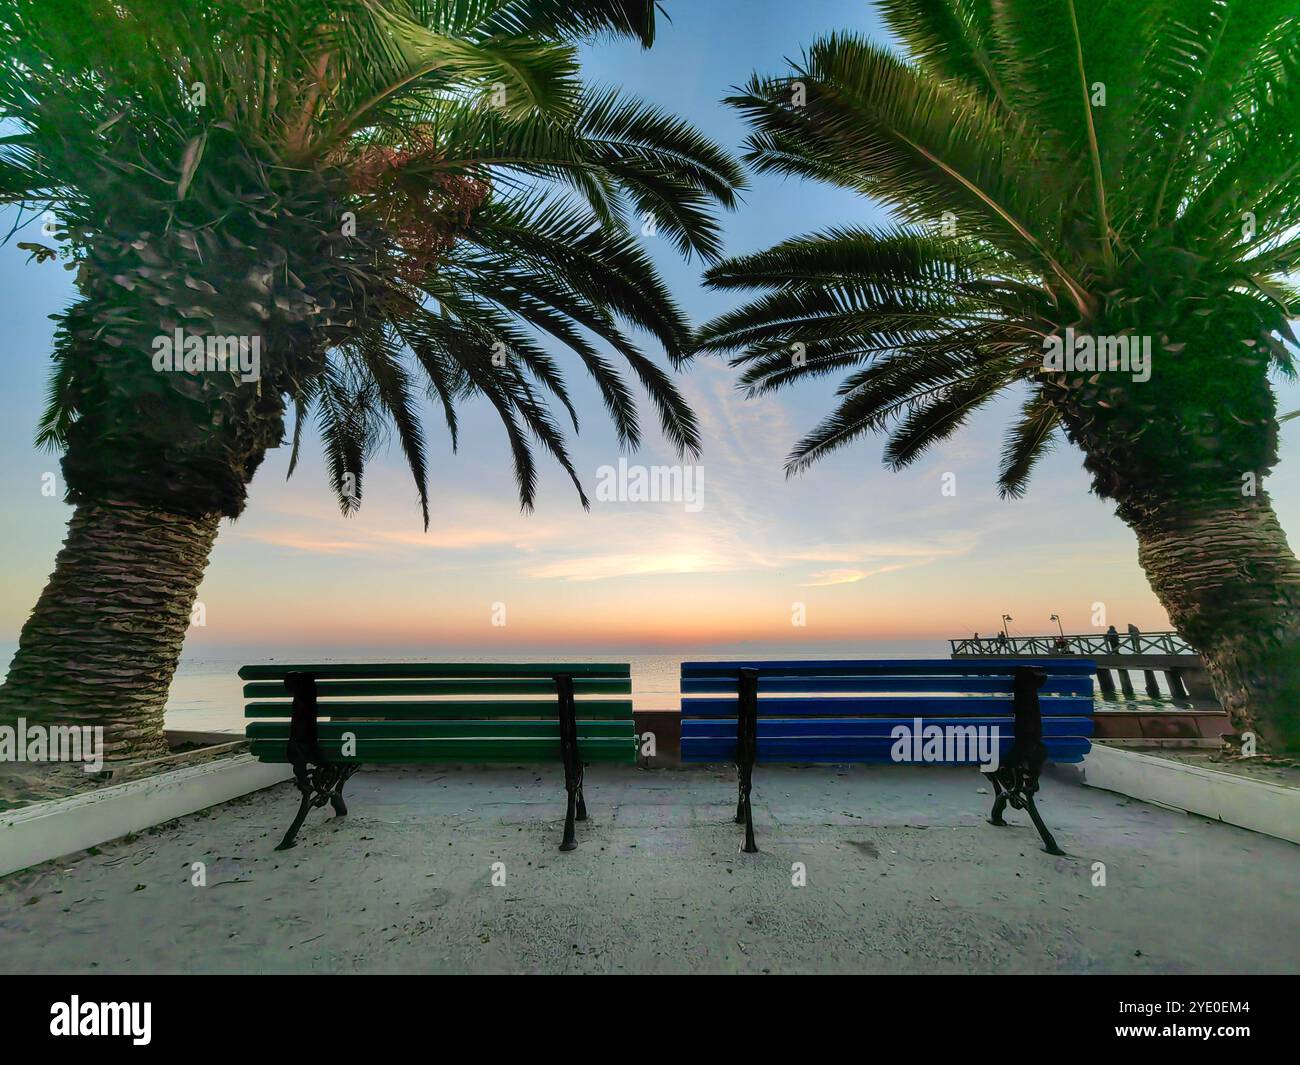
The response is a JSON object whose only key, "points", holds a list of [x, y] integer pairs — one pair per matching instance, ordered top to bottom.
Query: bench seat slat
{"points": [[939, 667], [414, 670], [1069, 685], [511, 686], [917, 706], [592, 709], [776, 728], [279, 730], [602, 749], [852, 749]]}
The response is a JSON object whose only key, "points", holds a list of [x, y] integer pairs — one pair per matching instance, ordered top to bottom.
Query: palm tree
{"points": [[1120, 170], [389, 201]]}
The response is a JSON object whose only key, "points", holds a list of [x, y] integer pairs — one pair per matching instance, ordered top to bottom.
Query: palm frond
{"points": [[954, 38], [876, 124], [1100, 167], [495, 200], [1027, 441]]}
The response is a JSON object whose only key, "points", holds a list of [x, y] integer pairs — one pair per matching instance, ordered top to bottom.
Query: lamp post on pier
{"points": [[1062, 644]]}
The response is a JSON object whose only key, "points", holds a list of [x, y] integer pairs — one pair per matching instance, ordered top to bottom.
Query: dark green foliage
{"points": [[386, 194], [1026, 206]]}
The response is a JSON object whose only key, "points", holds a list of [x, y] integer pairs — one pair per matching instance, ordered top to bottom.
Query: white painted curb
{"points": [[1258, 805], [33, 834]]}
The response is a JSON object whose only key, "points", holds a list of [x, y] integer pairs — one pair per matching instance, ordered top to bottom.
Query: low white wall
{"points": [[1258, 805], [33, 834]]}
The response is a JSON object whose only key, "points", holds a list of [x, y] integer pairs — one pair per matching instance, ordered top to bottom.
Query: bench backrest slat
{"points": [[901, 667], [410, 670], [990, 685], [461, 686], [466, 691], [887, 706], [428, 709], [790, 728], [432, 730], [837, 749], [469, 750]]}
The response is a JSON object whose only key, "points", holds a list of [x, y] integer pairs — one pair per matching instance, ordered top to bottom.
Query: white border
{"points": [[1258, 805], [40, 831]]}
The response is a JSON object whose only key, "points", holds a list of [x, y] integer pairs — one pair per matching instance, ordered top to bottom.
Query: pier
{"points": [[1191, 714]]}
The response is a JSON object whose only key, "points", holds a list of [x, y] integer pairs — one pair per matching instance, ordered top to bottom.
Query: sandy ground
{"points": [[903, 875]]}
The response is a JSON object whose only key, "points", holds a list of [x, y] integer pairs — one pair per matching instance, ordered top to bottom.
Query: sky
{"points": [[862, 556]]}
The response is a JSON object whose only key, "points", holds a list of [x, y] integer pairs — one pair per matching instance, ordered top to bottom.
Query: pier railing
{"points": [[1087, 644]]}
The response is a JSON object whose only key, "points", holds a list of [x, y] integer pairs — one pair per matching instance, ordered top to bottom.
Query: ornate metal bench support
{"points": [[747, 752], [1016, 779], [319, 782], [318, 785], [304, 786], [336, 796], [999, 800], [577, 806], [1049, 841]]}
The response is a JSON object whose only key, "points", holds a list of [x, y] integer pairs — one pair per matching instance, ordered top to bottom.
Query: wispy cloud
{"points": [[453, 539], [295, 541], [375, 541], [948, 546], [605, 567], [828, 577]]}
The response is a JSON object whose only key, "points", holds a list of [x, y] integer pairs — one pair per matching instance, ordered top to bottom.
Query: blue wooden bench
{"points": [[1031, 711], [458, 712]]}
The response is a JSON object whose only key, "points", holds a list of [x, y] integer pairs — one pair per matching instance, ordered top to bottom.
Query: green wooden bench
{"points": [[327, 720]]}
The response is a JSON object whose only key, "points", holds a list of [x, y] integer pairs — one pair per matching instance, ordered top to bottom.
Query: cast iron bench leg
{"points": [[747, 753], [1016, 781], [324, 782], [304, 786], [318, 786], [1020, 793], [336, 796], [999, 800], [582, 803], [577, 808], [745, 814], [570, 841], [1049, 844]]}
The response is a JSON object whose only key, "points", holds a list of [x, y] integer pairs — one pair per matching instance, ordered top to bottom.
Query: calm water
{"points": [[207, 695]]}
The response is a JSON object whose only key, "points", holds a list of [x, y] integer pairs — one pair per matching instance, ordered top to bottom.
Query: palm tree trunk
{"points": [[1231, 584], [102, 643]]}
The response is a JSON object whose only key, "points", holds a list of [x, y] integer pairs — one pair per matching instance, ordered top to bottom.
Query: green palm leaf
{"points": [[1113, 168], [496, 199]]}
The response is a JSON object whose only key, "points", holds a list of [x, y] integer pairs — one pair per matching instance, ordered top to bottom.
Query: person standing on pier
{"points": [[1112, 639]]}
